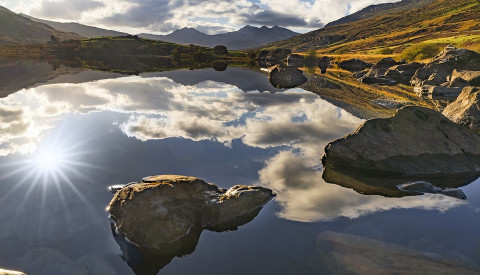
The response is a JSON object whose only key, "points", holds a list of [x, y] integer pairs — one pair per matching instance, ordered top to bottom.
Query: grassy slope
{"points": [[443, 19], [15, 29]]}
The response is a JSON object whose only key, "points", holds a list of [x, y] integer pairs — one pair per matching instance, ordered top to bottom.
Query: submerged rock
{"points": [[353, 65], [286, 77], [466, 109], [415, 140], [422, 187], [164, 209], [340, 253]]}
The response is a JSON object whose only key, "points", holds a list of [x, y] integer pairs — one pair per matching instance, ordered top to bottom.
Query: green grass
{"points": [[421, 51]]}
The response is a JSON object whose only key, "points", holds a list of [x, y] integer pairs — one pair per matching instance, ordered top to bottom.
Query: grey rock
{"points": [[273, 57], [295, 60], [324, 63], [353, 65], [403, 73], [286, 77], [469, 77], [379, 80], [466, 109], [416, 140], [419, 187], [453, 192], [163, 209]]}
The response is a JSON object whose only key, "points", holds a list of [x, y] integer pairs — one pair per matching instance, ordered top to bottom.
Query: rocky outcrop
{"points": [[273, 57], [295, 60], [324, 63], [353, 65], [439, 70], [378, 73], [403, 73], [465, 76], [286, 77], [438, 92], [466, 109], [415, 140], [422, 187], [161, 210], [10, 272]]}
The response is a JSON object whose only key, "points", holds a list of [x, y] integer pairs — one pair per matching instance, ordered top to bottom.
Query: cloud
{"points": [[66, 9], [269, 18], [305, 197]]}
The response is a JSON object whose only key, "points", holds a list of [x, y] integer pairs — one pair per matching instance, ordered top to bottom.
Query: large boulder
{"points": [[295, 60], [323, 63], [353, 65], [440, 69], [404, 72], [465, 76], [286, 77], [379, 80], [438, 92], [466, 109], [416, 140], [163, 209], [10, 272]]}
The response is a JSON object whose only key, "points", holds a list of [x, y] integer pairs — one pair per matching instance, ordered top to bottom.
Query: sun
{"points": [[48, 159]]}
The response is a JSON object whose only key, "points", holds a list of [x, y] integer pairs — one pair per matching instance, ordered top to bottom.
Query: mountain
{"points": [[381, 9], [442, 21], [15, 29], [83, 30], [246, 37]]}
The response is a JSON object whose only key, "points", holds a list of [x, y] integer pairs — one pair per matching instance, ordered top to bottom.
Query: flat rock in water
{"points": [[466, 109], [415, 141], [164, 209], [10, 272]]}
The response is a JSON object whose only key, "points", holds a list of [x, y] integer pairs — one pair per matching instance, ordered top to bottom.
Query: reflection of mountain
{"points": [[246, 37], [376, 183], [146, 261]]}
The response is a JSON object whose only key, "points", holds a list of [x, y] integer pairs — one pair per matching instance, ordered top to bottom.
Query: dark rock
{"points": [[220, 50], [273, 57], [295, 60], [324, 63], [387, 63], [353, 65], [220, 66], [441, 67], [403, 73], [359, 75], [286, 77], [380, 80], [438, 92], [390, 103], [466, 109], [408, 143], [419, 187], [453, 192], [163, 209]]}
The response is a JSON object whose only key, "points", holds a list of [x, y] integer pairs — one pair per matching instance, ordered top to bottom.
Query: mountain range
{"points": [[15, 29], [246, 37]]}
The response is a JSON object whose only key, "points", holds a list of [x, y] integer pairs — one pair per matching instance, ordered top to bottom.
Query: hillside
{"points": [[381, 9], [458, 20], [16, 29], [80, 29], [246, 37]]}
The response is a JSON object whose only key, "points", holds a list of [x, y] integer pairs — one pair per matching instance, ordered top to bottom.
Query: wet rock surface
{"points": [[286, 77], [466, 109], [415, 140], [422, 187], [163, 209], [162, 217]]}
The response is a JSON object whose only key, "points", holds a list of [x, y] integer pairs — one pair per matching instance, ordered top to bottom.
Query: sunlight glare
{"points": [[48, 159]]}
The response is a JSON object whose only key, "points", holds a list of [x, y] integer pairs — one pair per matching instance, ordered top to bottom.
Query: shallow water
{"points": [[65, 141]]}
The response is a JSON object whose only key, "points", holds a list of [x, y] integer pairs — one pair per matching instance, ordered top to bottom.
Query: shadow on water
{"points": [[372, 182], [147, 261]]}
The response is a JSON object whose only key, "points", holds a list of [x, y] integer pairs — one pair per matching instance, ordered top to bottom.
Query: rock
{"points": [[220, 50], [273, 57], [295, 60], [323, 63], [387, 63], [353, 65], [220, 66], [442, 66], [403, 73], [360, 74], [286, 77], [469, 77], [380, 80], [438, 92], [390, 103], [466, 109], [416, 140], [419, 187], [453, 192], [163, 209], [340, 253], [10, 272]]}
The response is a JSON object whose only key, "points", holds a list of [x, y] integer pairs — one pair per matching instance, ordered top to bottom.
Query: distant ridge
{"points": [[381, 9], [16, 29], [83, 30], [246, 37]]}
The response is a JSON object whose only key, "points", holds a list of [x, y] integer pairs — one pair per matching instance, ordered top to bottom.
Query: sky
{"points": [[209, 16]]}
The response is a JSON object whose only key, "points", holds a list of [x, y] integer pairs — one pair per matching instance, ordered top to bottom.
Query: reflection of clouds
{"points": [[304, 196]]}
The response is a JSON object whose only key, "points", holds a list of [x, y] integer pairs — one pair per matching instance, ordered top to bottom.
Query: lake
{"points": [[67, 134]]}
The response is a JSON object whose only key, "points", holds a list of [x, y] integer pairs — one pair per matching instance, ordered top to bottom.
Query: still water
{"points": [[68, 135]]}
